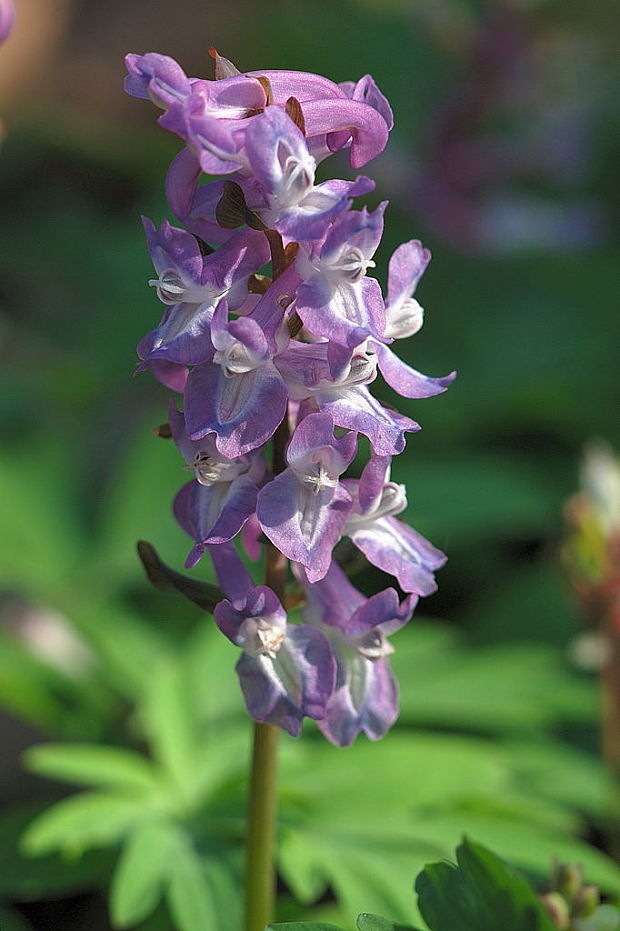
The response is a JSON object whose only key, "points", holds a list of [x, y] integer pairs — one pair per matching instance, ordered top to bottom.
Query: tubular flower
{"points": [[273, 331]]}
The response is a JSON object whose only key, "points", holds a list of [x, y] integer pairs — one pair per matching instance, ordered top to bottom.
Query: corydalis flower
{"points": [[192, 285], [214, 506], [304, 509], [386, 542], [286, 670], [365, 697]]}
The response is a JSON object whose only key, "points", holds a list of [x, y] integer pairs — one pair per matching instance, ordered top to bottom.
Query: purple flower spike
{"points": [[157, 78], [213, 508], [304, 509], [386, 542], [286, 671], [365, 697]]}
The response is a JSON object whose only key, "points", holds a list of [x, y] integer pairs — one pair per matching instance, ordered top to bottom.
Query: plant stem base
{"points": [[260, 871]]}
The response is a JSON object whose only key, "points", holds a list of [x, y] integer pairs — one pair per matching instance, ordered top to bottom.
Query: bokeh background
{"points": [[503, 162]]}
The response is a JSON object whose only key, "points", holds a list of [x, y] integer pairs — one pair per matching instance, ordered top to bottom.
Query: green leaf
{"points": [[161, 576], [129, 647], [172, 728], [91, 764], [84, 821], [138, 880], [478, 894], [188, 895], [368, 922], [302, 926]]}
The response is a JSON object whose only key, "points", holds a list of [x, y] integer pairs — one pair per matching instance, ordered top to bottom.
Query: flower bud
{"points": [[566, 878], [586, 901], [557, 908]]}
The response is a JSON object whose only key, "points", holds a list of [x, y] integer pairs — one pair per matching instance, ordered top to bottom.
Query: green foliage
{"points": [[479, 893]]}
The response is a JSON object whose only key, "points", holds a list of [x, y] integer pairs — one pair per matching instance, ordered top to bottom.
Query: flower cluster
{"points": [[289, 353]]}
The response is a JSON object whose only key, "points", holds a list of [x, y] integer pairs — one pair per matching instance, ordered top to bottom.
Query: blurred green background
{"points": [[502, 161]]}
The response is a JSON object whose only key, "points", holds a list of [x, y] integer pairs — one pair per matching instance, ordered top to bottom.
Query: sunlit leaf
{"points": [[172, 727], [94, 765], [81, 822], [138, 880], [478, 894], [189, 896], [375, 923]]}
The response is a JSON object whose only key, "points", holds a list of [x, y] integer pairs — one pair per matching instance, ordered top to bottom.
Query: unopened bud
{"points": [[567, 878], [586, 901], [557, 908]]}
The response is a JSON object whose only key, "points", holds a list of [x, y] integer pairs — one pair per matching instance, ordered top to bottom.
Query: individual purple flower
{"points": [[157, 78], [333, 118], [280, 162], [192, 285], [336, 299], [404, 317], [307, 371], [240, 395], [213, 507], [304, 509], [386, 542], [286, 671], [365, 697]]}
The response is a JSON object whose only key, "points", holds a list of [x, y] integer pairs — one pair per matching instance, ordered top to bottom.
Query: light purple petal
{"points": [[156, 77], [300, 84], [366, 91], [368, 129], [192, 204], [406, 267], [346, 313], [183, 336], [170, 374], [405, 380], [356, 409], [243, 411], [315, 434], [372, 480], [214, 514], [303, 525], [399, 550], [234, 578], [260, 602], [383, 610], [297, 683], [365, 700]]}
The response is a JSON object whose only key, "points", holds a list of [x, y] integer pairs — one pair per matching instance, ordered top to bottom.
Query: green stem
{"points": [[263, 801], [260, 876]]}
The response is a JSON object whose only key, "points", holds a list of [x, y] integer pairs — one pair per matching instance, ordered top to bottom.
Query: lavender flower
{"points": [[286, 356]]}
